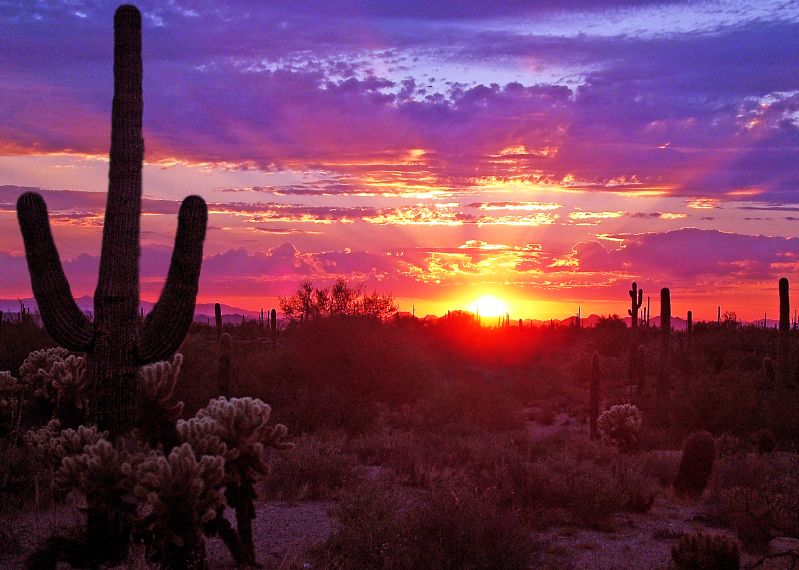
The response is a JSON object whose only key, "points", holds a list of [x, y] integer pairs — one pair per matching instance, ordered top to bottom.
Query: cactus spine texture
{"points": [[636, 300], [114, 346], [664, 373], [593, 404], [696, 465]]}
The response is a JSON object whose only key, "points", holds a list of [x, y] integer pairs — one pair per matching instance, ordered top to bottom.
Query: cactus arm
{"points": [[63, 319], [166, 326]]}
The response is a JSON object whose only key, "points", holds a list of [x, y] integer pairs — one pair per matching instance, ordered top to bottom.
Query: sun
{"points": [[489, 306]]}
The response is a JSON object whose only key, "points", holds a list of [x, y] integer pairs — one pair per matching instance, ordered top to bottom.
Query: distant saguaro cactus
{"points": [[637, 299], [218, 316], [273, 320], [113, 344], [783, 351], [664, 371], [593, 404], [696, 465]]}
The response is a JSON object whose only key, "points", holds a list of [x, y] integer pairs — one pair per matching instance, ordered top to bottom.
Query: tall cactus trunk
{"points": [[636, 298], [116, 299], [218, 317], [689, 342], [113, 344], [783, 351], [664, 372], [593, 404]]}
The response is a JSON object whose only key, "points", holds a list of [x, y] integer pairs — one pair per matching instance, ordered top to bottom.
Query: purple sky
{"points": [[438, 150]]}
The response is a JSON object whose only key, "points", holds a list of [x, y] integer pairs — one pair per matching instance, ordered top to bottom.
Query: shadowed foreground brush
{"points": [[593, 403], [696, 465], [702, 551]]}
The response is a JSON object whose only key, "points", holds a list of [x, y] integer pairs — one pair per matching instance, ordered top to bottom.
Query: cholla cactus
{"points": [[37, 372], [70, 382], [156, 416], [241, 423], [620, 426], [201, 434], [51, 444], [100, 471], [103, 477], [184, 494]]}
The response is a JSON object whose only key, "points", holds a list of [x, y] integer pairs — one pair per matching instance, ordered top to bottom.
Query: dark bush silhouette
{"points": [[696, 465]]}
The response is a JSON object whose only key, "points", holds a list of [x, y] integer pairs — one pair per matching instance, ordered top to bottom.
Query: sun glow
{"points": [[489, 306]]}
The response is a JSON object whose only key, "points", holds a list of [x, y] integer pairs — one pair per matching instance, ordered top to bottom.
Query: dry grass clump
{"points": [[315, 469], [564, 478], [381, 528]]}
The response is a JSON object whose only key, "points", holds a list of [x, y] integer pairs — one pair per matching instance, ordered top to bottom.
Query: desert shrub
{"points": [[606, 335], [18, 340], [358, 357], [726, 402], [468, 406], [545, 416], [620, 426], [764, 440], [661, 465], [696, 465], [313, 470], [18, 476], [586, 491], [757, 495], [368, 514], [382, 529], [463, 531], [702, 551]]}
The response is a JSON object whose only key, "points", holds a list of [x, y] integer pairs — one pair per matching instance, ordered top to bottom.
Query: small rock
{"points": [[783, 544]]}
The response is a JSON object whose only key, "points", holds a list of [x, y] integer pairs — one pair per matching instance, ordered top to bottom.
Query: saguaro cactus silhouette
{"points": [[637, 299], [218, 317], [113, 343], [783, 356], [664, 373]]}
